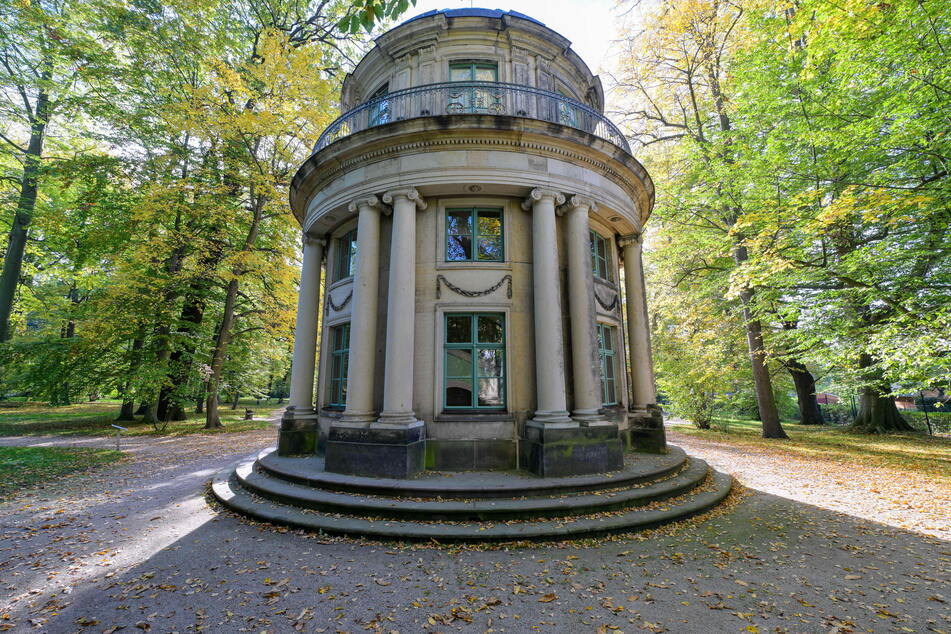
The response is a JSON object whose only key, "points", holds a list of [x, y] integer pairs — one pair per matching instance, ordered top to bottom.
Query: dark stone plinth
{"points": [[646, 431], [298, 433], [567, 451], [376, 452], [471, 455]]}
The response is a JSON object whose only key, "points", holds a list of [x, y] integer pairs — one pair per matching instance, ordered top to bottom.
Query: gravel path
{"points": [[902, 499], [136, 546]]}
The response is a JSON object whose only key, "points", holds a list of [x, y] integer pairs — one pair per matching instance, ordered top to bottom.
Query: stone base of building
{"points": [[646, 431], [298, 433], [377, 452], [552, 452], [471, 455]]}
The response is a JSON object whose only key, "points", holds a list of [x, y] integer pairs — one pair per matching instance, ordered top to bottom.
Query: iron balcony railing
{"points": [[473, 97]]}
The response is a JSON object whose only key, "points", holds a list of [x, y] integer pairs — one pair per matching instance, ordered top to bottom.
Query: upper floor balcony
{"points": [[473, 97]]}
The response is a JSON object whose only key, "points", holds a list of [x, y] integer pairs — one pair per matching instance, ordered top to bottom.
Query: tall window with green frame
{"points": [[472, 99], [474, 235], [346, 251], [601, 257], [607, 351], [474, 361], [339, 364]]}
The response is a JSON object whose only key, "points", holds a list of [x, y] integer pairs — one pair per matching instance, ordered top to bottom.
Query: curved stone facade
{"points": [[490, 312]]}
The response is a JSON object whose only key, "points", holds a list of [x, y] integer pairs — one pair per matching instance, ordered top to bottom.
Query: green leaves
{"points": [[366, 14]]}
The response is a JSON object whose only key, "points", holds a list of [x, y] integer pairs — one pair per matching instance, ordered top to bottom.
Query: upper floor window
{"points": [[473, 70], [472, 99], [379, 110], [474, 235], [346, 251], [601, 257]]}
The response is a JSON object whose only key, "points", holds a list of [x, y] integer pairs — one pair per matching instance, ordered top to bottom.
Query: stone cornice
{"points": [[346, 155], [409, 193], [540, 193], [367, 201]]}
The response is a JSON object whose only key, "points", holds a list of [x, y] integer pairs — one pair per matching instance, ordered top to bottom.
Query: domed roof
{"points": [[473, 13]]}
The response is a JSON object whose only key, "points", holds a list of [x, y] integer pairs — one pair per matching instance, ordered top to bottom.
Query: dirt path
{"points": [[136, 546]]}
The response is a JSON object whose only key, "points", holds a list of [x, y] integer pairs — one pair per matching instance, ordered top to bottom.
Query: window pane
{"points": [[460, 73], [485, 73], [459, 221], [490, 223], [490, 247], [458, 248], [490, 328], [458, 329], [608, 339], [490, 362], [459, 363], [608, 368], [490, 392], [458, 393], [610, 396]]}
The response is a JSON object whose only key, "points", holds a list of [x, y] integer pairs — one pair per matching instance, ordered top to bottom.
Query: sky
{"points": [[589, 24]]}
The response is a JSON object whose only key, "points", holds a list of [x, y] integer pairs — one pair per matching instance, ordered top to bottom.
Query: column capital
{"points": [[409, 193], [540, 193], [579, 200], [366, 201], [630, 239], [308, 240]]}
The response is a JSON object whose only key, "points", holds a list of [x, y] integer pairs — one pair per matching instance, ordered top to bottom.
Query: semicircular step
{"points": [[522, 504]]}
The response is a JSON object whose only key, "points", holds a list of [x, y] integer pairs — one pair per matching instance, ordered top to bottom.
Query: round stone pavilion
{"points": [[472, 280]]}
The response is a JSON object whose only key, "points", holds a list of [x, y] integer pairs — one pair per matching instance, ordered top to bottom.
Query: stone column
{"points": [[401, 309], [638, 329], [584, 354], [361, 364], [552, 407], [646, 420], [298, 433], [555, 445], [392, 446]]}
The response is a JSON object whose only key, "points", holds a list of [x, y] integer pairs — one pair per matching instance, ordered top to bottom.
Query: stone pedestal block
{"points": [[647, 431], [298, 433], [377, 452], [552, 452]]}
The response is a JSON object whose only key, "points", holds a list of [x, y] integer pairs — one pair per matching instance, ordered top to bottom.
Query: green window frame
{"points": [[472, 99], [379, 110], [475, 234], [345, 254], [601, 257], [607, 353], [474, 361], [339, 364]]}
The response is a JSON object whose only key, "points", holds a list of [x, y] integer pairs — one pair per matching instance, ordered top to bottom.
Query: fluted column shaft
{"points": [[401, 309], [638, 329], [305, 336], [549, 344], [584, 356], [361, 364]]}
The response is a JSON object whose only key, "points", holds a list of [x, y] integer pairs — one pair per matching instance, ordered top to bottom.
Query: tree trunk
{"points": [[16, 242], [234, 401], [765, 401], [143, 408], [809, 412], [877, 412], [126, 413], [212, 418]]}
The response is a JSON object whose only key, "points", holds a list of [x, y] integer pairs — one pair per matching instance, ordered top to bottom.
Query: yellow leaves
{"points": [[548, 598]]}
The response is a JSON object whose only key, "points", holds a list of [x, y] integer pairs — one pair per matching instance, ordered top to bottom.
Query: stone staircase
{"points": [[471, 506]]}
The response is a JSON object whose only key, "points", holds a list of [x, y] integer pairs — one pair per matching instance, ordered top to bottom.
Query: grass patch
{"points": [[94, 419], [911, 452], [23, 467]]}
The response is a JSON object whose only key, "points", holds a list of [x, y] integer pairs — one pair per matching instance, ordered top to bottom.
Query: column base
{"points": [[646, 430], [298, 433], [377, 451], [552, 451]]}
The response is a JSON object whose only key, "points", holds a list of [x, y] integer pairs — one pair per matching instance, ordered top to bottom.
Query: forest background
{"points": [[800, 154]]}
